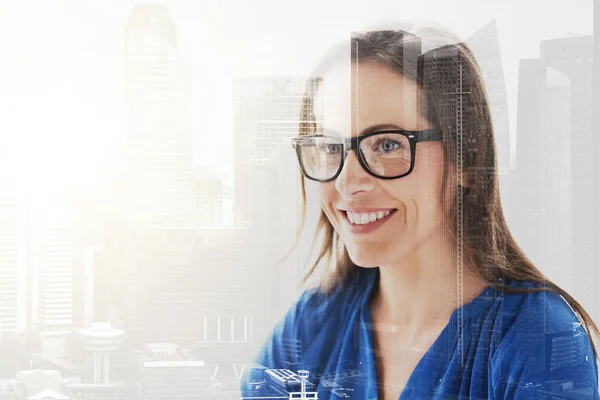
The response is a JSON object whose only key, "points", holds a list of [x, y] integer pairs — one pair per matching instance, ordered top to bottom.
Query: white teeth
{"points": [[365, 218]]}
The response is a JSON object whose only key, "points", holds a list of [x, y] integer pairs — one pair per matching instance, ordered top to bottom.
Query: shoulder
{"points": [[318, 309], [316, 312], [536, 312], [545, 348]]}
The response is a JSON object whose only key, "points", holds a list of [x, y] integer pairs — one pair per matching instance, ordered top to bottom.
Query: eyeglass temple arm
{"points": [[428, 135]]}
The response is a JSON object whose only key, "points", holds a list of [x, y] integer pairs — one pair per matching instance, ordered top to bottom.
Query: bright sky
{"points": [[61, 79]]}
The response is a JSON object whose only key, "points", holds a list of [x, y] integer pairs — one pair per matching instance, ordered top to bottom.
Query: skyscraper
{"points": [[485, 46], [573, 58], [158, 103], [267, 115], [554, 161], [544, 167], [156, 190], [52, 247], [13, 256], [54, 272]]}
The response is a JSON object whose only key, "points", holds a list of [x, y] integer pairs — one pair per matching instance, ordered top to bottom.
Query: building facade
{"points": [[159, 146]]}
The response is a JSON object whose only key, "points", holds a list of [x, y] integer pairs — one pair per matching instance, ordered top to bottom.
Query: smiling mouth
{"points": [[366, 218]]}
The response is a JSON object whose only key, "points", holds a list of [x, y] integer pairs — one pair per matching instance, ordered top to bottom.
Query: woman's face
{"points": [[350, 105]]}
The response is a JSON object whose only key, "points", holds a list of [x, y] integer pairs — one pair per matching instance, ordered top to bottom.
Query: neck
{"points": [[420, 290]]}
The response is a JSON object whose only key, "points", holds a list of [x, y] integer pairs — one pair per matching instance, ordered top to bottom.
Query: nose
{"points": [[353, 179]]}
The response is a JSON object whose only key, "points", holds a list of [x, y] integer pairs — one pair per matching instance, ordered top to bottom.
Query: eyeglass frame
{"points": [[353, 143]]}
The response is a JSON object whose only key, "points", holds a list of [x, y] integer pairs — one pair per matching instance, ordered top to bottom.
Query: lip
{"points": [[365, 209], [370, 227]]}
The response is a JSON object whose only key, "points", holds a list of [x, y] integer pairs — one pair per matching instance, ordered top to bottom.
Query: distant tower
{"points": [[573, 59], [159, 148], [555, 160], [157, 183], [52, 280], [101, 340], [303, 374]]}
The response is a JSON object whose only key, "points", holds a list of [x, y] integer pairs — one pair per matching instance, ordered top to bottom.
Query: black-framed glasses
{"points": [[388, 154]]}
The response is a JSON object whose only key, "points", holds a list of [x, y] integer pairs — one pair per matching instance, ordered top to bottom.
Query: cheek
{"points": [[429, 171], [325, 192], [419, 194], [320, 196], [431, 209]]}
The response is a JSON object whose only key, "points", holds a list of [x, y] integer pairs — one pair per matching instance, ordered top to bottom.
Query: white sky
{"points": [[61, 76]]}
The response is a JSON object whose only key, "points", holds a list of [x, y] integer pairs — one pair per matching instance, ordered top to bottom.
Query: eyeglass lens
{"points": [[385, 155]]}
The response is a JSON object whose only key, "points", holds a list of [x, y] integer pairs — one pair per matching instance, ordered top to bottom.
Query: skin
{"points": [[414, 249]]}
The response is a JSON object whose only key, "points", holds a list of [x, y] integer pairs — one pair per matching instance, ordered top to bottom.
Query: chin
{"points": [[366, 258]]}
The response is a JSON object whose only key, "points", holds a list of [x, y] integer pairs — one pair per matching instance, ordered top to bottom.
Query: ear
{"points": [[466, 180], [464, 184]]}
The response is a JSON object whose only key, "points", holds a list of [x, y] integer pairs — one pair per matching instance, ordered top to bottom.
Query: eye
{"points": [[387, 145], [330, 148], [334, 148]]}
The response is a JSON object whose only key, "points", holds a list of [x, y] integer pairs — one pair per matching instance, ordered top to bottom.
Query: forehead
{"points": [[353, 98]]}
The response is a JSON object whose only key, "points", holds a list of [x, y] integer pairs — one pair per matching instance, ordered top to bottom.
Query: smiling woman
{"points": [[429, 295]]}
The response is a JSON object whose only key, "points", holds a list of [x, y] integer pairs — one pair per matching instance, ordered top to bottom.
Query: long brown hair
{"points": [[475, 215]]}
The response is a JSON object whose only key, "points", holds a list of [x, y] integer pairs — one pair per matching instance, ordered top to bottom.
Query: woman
{"points": [[430, 296]]}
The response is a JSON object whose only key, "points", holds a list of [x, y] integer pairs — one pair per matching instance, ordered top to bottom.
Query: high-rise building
{"points": [[485, 46], [573, 57], [267, 114], [159, 150], [554, 161], [543, 176], [156, 191], [65, 244], [13, 256], [54, 264], [52, 274], [91, 274], [60, 285], [90, 291]]}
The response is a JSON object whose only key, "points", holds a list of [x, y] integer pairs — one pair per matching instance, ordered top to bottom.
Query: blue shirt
{"points": [[508, 346]]}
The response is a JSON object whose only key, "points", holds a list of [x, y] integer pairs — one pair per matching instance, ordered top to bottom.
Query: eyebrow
{"points": [[370, 129]]}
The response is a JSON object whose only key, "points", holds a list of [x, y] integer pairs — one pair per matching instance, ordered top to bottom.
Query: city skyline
{"points": [[175, 36], [213, 86], [196, 284]]}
